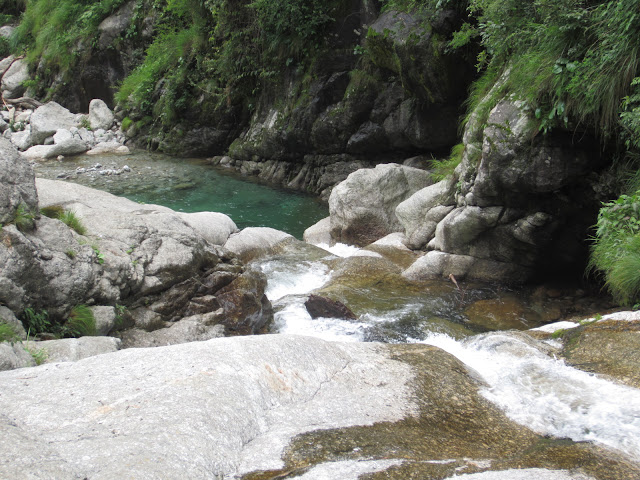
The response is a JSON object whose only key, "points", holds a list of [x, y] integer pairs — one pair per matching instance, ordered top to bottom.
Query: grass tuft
{"points": [[81, 322]]}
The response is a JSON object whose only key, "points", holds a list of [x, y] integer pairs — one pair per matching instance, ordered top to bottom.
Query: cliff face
{"points": [[368, 87]]}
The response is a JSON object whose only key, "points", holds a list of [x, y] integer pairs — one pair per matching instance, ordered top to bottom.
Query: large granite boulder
{"points": [[13, 79], [100, 115], [48, 119], [16, 183], [519, 204], [362, 208], [255, 242], [144, 256], [268, 406]]}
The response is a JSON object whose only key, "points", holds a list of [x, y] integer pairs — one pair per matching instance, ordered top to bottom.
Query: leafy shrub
{"points": [[616, 248], [35, 322], [81, 322]]}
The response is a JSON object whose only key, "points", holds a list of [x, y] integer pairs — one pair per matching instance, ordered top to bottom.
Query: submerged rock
{"points": [[324, 307]]}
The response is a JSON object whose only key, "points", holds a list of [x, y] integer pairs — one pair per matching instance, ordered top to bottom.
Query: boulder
{"points": [[115, 25], [7, 30], [5, 63], [13, 79], [100, 115], [48, 119], [22, 139], [66, 146], [113, 146], [16, 183], [362, 208], [420, 214], [214, 227], [319, 233], [254, 242], [130, 252], [437, 264], [324, 307], [106, 319], [189, 329], [610, 346], [74, 349], [15, 355]]}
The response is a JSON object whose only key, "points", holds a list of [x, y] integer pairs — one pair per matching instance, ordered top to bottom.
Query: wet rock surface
{"points": [[609, 347], [306, 404]]}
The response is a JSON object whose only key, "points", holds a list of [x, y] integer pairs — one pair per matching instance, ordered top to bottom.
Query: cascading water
{"points": [[532, 387], [548, 396]]}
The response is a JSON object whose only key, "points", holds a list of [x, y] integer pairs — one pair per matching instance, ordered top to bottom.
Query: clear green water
{"points": [[191, 185]]}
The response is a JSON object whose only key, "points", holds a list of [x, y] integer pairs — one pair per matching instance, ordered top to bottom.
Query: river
{"points": [[531, 386]]}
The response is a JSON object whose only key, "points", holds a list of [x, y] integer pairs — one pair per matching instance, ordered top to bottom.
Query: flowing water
{"points": [[532, 387]]}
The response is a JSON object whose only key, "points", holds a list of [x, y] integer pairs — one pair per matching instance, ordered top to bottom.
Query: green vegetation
{"points": [[52, 31], [221, 51], [572, 61], [444, 168], [67, 217], [23, 219], [616, 248], [99, 256], [35, 321], [81, 322], [7, 333], [39, 355]]}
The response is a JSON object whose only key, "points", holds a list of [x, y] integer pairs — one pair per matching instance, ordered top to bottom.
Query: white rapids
{"points": [[532, 388], [547, 395]]}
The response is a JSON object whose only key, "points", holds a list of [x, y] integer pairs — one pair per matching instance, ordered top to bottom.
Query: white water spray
{"points": [[548, 396]]}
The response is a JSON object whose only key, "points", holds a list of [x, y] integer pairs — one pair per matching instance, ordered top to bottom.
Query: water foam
{"points": [[298, 279], [548, 396]]}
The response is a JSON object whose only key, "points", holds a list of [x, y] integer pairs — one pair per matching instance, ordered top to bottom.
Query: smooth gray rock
{"points": [[115, 25], [6, 31], [5, 63], [13, 78], [100, 115], [48, 119], [22, 139], [72, 146], [108, 147], [16, 183], [362, 208], [420, 214], [214, 227], [319, 233], [253, 242], [435, 264], [106, 319], [190, 329], [74, 349], [14, 356], [216, 409]]}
